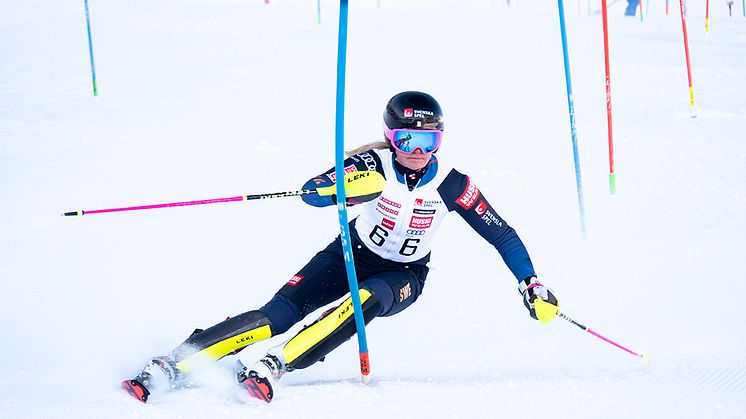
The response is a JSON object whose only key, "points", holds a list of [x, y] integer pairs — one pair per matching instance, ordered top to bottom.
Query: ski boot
{"points": [[159, 376], [258, 379]]}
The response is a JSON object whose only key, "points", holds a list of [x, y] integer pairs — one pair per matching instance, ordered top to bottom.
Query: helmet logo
{"points": [[408, 112]]}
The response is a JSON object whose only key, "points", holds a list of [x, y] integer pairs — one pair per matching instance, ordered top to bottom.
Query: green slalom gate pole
{"points": [[90, 49]]}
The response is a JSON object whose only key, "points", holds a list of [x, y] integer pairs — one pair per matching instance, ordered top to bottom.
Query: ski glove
{"points": [[361, 186], [540, 301]]}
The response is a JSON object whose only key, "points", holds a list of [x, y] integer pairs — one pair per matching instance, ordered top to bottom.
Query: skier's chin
{"points": [[414, 162]]}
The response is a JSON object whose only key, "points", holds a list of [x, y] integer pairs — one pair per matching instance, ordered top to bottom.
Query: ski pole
{"points": [[356, 184], [197, 202], [564, 316]]}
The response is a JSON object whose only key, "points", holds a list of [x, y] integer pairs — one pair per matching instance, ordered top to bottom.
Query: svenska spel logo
{"points": [[408, 112]]}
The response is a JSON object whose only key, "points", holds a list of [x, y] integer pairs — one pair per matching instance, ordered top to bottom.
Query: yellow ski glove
{"points": [[362, 186], [540, 301]]}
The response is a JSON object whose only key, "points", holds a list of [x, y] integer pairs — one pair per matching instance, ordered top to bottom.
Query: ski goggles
{"points": [[409, 140]]}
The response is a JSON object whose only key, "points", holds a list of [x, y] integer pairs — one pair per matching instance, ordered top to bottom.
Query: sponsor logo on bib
{"points": [[389, 202], [419, 202], [387, 209], [424, 211], [420, 222], [388, 223]]}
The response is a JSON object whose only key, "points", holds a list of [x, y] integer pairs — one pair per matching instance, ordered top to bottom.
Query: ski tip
{"points": [[259, 388], [135, 389]]}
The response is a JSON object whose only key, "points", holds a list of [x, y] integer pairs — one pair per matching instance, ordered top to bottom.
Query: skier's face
{"points": [[415, 160]]}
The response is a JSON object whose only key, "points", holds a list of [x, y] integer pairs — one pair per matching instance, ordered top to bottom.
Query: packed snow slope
{"points": [[206, 99]]}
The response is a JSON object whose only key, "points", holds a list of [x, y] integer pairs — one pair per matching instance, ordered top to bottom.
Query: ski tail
{"points": [[256, 386], [259, 388], [136, 389]]}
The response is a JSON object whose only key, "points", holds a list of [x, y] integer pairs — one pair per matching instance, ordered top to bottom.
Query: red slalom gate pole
{"points": [[640, 10], [707, 16], [688, 60], [612, 175]]}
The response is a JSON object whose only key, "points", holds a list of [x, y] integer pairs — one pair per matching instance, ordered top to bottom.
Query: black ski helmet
{"points": [[413, 110]]}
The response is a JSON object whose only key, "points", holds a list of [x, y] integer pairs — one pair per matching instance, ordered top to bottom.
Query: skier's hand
{"points": [[362, 186], [540, 301]]}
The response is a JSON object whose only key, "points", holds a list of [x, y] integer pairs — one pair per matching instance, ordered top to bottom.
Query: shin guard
{"points": [[334, 328], [226, 337]]}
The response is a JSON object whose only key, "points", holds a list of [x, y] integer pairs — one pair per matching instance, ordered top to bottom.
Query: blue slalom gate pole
{"points": [[90, 49], [571, 109], [341, 197]]}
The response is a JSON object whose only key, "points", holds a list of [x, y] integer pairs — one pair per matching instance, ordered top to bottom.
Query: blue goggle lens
{"points": [[408, 141]]}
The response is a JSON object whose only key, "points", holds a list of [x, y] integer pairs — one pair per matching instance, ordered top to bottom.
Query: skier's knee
{"points": [[381, 291], [395, 291], [282, 313]]}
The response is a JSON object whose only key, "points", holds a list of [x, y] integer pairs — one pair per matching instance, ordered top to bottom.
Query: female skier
{"points": [[391, 241]]}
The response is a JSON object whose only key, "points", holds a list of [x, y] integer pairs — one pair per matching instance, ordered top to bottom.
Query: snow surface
{"points": [[204, 99]]}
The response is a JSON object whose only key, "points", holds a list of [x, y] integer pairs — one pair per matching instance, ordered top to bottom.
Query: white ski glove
{"points": [[540, 301]]}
